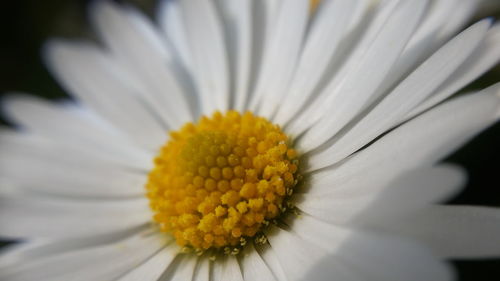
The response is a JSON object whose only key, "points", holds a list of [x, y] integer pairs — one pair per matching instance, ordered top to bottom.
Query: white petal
{"points": [[271, 10], [463, 11], [237, 17], [264, 18], [373, 20], [171, 21], [364, 24], [119, 25], [326, 31], [433, 32], [424, 38], [137, 43], [207, 45], [280, 56], [483, 58], [92, 77], [413, 90], [356, 91], [41, 116], [70, 125], [433, 135], [48, 168], [376, 197], [43, 217], [314, 230], [455, 231], [34, 249], [10, 253], [293, 255], [298, 257], [375, 257], [270, 258], [105, 262], [153, 268], [226, 268], [254, 268], [181, 269], [231, 269], [216, 270], [202, 272]]}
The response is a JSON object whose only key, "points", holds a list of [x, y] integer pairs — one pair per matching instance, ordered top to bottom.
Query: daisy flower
{"points": [[252, 140]]}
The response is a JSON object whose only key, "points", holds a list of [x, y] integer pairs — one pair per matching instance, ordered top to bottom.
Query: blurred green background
{"points": [[27, 24]]}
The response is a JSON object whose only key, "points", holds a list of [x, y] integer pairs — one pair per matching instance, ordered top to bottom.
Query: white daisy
{"points": [[353, 87]]}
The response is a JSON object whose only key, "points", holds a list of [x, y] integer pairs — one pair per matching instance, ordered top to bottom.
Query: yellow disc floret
{"points": [[220, 181]]}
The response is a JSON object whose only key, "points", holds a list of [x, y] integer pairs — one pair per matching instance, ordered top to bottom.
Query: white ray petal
{"points": [[463, 11], [237, 17], [264, 17], [435, 19], [171, 21], [364, 23], [118, 25], [326, 32], [433, 32], [361, 35], [136, 42], [207, 44], [280, 56], [484, 57], [91, 76], [419, 85], [359, 87], [356, 90], [41, 116], [69, 125], [434, 134], [133, 159], [33, 166], [379, 197], [56, 218], [454, 231], [34, 249], [12, 253], [293, 254], [269, 256], [298, 257], [375, 257], [105, 262], [153, 268], [254, 268], [231, 269], [182, 270], [216, 270], [202, 272]]}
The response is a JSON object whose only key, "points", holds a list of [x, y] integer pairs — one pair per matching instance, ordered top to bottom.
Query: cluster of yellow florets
{"points": [[218, 182]]}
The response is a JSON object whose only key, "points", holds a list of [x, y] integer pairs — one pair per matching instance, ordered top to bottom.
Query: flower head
{"points": [[252, 140]]}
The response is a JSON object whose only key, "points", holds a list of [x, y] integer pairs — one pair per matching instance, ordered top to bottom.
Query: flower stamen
{"points": [[218, 183]]}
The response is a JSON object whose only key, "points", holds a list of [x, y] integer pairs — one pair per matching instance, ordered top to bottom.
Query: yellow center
{"points": [[217, 183]]}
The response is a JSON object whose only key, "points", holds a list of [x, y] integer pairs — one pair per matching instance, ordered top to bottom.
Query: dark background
{"points": [[26, 24]]}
